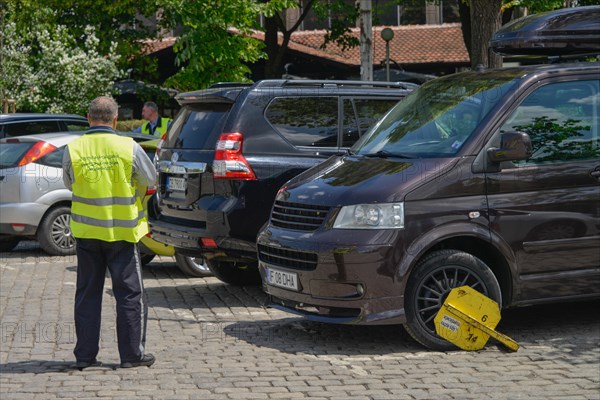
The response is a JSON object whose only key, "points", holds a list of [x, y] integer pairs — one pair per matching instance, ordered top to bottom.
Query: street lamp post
{"points": [[387, 34]]}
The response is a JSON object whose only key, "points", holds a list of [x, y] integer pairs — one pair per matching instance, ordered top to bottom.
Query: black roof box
{"points": [[568, 31]]}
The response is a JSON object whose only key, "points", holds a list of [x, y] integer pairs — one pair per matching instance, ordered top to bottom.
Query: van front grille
{"points": [[296, 216], [287, 258]]}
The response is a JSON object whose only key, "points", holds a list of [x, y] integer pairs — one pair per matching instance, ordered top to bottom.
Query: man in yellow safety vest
{"points": [[154, 125], [109, 175]]}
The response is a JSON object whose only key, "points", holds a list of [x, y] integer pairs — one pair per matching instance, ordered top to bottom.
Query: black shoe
{"points": [[146, 361], [81, 365]]}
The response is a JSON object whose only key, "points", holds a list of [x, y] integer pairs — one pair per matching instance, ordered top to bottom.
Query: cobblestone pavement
{"points": [[215, 341]]}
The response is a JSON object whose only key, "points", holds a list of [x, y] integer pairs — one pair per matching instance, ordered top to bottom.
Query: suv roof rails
{"points": [[332, 83], [229, 84]]}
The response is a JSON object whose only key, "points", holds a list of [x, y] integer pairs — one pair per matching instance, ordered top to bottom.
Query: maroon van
{"points": [[485, 178]]}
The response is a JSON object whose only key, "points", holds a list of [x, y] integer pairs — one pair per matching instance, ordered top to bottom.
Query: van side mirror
{"points": [[514, 146]]}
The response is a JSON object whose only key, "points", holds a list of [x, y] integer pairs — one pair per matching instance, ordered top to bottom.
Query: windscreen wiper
{"points": [[387, 154]]}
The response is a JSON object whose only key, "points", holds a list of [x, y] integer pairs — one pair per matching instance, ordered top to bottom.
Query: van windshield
{"points": [[438, 118]]}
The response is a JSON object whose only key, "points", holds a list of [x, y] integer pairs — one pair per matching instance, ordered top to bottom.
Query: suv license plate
{"points": [[176, 184], [287, 280]]}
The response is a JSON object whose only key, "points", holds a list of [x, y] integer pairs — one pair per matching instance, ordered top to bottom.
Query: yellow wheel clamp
{"points": [[468, 318]]}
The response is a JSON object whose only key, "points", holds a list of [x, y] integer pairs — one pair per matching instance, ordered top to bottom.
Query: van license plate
{"points": [[176, 184], [287, 280]]}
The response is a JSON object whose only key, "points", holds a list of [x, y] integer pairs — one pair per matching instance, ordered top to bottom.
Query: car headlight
{"points": [[371, 216]]}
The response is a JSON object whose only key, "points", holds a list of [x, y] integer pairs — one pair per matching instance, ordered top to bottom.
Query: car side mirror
{"points": [[514, 146]]}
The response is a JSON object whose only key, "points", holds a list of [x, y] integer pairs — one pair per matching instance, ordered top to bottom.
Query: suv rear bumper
{"points": [[187, 240]]}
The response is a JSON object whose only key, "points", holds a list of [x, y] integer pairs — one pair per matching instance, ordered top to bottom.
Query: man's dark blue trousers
{"points": [[123, 262]]}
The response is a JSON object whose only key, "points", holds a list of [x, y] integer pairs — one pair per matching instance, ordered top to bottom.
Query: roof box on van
{"points": [[568, 31]]}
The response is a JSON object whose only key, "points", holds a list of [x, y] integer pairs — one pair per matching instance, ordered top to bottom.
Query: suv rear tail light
{"points": [[160, 144], [39, 150], [229, 162], [208, 242]]}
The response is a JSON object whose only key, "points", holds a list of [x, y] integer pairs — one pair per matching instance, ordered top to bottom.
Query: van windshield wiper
{"points": [[387, 154]]}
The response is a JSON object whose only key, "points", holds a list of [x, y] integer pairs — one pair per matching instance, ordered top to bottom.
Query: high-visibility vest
{"points": [[160, 128], [106, 204]]}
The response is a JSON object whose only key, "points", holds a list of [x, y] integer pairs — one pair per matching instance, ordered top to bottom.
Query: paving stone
{"points": [[215, 341]]}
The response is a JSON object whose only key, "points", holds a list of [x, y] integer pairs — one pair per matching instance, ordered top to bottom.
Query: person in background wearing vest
{"points": [[154, 125], [109, 175]]}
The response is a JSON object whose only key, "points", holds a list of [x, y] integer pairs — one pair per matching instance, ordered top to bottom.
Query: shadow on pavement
{"points": [[570, 332], [300, 336], [46, 367]]}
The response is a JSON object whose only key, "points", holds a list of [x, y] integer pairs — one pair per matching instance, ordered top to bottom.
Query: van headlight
{"points": [[371, 216]]}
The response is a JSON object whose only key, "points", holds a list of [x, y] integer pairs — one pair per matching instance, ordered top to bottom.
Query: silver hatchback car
{"points": [[34, 202]]}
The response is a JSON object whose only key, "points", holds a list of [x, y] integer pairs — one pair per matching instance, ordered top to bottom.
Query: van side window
{"points": [[360, 115], [305, 121], [562, 121]]}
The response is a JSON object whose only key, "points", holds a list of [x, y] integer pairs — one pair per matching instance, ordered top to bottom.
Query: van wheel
{"points": [[54, 233], [7, 243], [193, 266], [238, 273], [429, 286]]}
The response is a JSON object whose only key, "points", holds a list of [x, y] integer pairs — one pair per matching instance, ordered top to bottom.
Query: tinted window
{"points": [[360, 115], [305, 121], [562, 121], [76, 125], [199, 126], [30, 128], [11, 153], [53, 159]]}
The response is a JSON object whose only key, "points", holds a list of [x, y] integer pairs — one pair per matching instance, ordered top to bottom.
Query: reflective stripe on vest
{"points": [[160, 128], [105, 203]]}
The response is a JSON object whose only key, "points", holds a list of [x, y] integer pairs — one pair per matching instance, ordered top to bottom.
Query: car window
{"points": [[360, 115], [305, 121], [562, 121], [76, 125], [199, 127], [30, 128], [11, 153], [53, 159]]}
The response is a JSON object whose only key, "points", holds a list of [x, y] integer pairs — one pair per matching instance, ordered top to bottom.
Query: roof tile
{"points": [[412, 44]]}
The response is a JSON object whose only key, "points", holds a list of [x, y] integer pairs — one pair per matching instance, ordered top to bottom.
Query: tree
{"points": [[341, 15], [486, 18], [124, 22], [45, 69]]}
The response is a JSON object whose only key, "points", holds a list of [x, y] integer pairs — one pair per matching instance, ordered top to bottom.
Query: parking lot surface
{"points": [[215, 341]]}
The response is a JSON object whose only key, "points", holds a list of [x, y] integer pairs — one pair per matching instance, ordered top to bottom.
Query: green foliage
{"points": [[537, 6], [344, 15], [115, 21], [207, 49], [46, 69], [129, 125], [552, 140]]}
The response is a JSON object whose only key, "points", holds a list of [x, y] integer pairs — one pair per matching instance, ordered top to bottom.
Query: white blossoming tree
{"points": [[48, 71]]}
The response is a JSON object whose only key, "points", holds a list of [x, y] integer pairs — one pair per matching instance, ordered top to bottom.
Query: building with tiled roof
{"points": [[430, 49]]}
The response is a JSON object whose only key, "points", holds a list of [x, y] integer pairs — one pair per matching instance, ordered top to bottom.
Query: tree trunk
{"points": [[464, 12], [486, 18], [366, 40], [272, 70]]}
